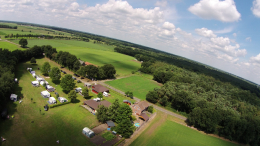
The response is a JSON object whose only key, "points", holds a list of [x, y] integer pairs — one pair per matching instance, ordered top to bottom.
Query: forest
{"points": [[8, 26]]}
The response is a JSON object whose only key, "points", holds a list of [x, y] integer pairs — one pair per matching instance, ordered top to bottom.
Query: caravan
{"points": [[35, 83], [50, 88], [45, 94], [105, 94], [13, 97], [62, 99], [52, 100]]}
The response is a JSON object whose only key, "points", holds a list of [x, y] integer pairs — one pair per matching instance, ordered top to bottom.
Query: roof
{"points": [[81, 62], [87, 63], [35, 82], [88, 84], [49, 87], [79, 88], [99, 88], [45, 93], [13, 95], [52, 98], [127, 101], [93, 104], [143, 105], [144, 116], [110, 124]]}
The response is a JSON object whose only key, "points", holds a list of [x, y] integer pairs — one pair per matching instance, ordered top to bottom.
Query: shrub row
{"points": [[56, 105]]}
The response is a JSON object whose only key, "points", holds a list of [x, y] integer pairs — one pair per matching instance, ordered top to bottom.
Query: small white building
{"points": [[35, 83], [50, 88], [79, 89], [45, 94], [105, 94], [13, 97], [62, 99], [52, 100], [89, 133]]}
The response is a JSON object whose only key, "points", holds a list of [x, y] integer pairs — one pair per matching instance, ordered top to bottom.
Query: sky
{"points": [[220, 33]]}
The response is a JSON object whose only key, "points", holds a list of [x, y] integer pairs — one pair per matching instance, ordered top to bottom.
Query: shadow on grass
{"points": [[57, 82], [75, 101]]}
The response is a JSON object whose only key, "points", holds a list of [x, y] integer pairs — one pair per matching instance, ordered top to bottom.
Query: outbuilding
{"points": [[35, 83], [50, 88], [99, 88], [79, 89], [45, 94], [13, 97], [62, 99], [52, 100], [127, 102], [144, 117], [110, 124], [87, 132]]}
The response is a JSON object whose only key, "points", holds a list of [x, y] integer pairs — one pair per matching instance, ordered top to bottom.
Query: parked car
{"points": [[82, 77], [79, 81]]}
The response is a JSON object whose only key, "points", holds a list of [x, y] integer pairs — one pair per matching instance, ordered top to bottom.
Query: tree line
{"points": [[7, 26], [36, 36], [66, 59], [8, 62]]}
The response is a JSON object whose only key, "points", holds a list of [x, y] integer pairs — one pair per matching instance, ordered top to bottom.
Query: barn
{"points": [[99, 88]]}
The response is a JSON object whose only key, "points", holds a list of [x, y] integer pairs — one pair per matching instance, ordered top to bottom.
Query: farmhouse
{"points": [[99, 88], [45, 94], [13, 97], [94, 105], [139, 107], [144, 117]]}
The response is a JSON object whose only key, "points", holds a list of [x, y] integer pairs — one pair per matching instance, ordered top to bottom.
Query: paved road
{"points": [[155, 106]]}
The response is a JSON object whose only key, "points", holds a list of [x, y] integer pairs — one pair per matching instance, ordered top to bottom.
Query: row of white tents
{"points": [[52, 100]]}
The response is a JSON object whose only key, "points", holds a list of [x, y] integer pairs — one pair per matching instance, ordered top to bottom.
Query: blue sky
{"points": [[220, 33]]}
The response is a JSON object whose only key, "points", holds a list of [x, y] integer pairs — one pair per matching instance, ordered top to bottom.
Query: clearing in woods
{"points": [[140, 86], [163, 131]]}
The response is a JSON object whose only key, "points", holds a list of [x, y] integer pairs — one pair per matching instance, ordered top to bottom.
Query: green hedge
{"points": [[56, 105], [119, 142]]}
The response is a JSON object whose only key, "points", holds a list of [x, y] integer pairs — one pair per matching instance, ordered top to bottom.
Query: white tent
{"points": [[34, 75], [40, 79], [42, 82], [35, 83], [50, 88], [79, 89], [45, 94], [105, 94], [13, 97], [62, 99], [52, 100], [89, 133]]}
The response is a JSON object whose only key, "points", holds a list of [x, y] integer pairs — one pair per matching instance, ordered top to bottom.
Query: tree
{"points": [[23, 42], [33, 60], [76, 65], [45, 68], [109, 70], [82, 71], [92, 71], [55, 74], [67, 83], [85, 92], [72, 95], [100, 95], [131, 95], [152, 96], [150, 109], [112, 110], [124, 111], [102, 113], [125, 128]]}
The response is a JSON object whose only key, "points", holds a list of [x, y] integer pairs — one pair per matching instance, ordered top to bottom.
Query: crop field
{"points": [[9, 46], [93, 53], [137, 84], [32, 127], [164, 131]]}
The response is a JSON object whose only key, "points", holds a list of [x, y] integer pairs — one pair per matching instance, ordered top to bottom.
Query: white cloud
{"points": [[162, 3], [256, 8], [224, 11], [168, 25], [225, 30], [205, 32], [234, 34], [248, 39], [220, 41], [255, 59]]}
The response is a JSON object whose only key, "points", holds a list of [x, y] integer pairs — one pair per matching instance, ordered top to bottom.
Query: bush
{"points": [[56, 105], [150, 109], [133, 118]]}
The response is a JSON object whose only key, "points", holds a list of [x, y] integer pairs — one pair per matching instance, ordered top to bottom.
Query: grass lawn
{"points": [[9, 46], [97, 54], [137, 84], [63, 123], [164, 132], [108, 136]]}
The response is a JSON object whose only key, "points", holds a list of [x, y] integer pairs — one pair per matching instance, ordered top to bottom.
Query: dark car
{"points": [[64, 72], [82, 77]]}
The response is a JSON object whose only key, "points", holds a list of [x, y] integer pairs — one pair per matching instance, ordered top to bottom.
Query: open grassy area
{"points": [[9, 46], [97, 54], [137, 84], [64, 123], [164, 131]]}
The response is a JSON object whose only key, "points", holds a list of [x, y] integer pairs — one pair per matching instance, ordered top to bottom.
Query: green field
{"points": [[9, 46], [97, 54], [137, 84], [163, 131]]}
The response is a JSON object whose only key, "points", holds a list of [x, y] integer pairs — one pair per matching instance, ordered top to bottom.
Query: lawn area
{"points": [[9, 46], [97, 54], [137, 84], [63, 123], [165, 132], [108, 136]]}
